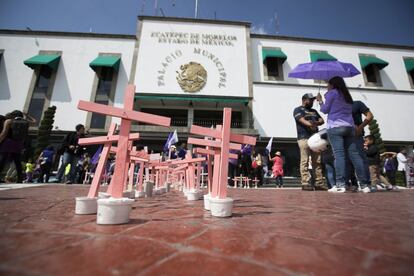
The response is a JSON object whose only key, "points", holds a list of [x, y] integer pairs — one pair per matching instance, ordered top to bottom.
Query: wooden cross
{"points": [[127, 115], [223, 144], [107, 148], [210, 154], [142, 158], [189, 162], [238, 179], [93, 190]]}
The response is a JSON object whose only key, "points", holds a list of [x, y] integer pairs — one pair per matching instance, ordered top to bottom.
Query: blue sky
{"points": [[377, 21]]}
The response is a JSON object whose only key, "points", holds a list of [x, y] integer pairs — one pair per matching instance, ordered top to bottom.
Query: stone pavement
{"points": [[272, 232]]}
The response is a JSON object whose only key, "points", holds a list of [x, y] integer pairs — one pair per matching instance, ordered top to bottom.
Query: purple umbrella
{"points": [[324, 70]]}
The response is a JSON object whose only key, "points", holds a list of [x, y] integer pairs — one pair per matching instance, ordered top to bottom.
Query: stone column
{"points": [[190, 116]]}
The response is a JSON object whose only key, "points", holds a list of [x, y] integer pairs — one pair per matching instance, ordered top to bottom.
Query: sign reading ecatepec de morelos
{"points": [[194, 38], [192, 58], [189, 76]]}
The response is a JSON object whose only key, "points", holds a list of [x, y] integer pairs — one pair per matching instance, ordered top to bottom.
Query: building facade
{"points": [[189, 70]]}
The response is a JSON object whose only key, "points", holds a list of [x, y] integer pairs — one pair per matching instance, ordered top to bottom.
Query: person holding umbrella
{"points": [[307, 121], [341, 133]]}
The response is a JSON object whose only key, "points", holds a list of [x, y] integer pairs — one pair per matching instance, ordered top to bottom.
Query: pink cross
{"points": [[127, 115], [222, 144], [107, 148], [210, 154], [142, 158], [189, 164], [238, 179], [255, 180], [93, 190]]}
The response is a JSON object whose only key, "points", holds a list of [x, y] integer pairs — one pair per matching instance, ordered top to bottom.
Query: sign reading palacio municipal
{"points": [[182, 57]]}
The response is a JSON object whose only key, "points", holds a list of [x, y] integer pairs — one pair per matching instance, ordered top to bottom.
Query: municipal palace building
{"points": [[189, 70]]}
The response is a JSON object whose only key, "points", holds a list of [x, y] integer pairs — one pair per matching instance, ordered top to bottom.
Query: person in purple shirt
{"points": [[341, 133]]}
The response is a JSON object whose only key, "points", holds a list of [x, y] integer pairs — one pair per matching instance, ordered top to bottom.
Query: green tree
{"points": [[45, 128], [376, 132]]}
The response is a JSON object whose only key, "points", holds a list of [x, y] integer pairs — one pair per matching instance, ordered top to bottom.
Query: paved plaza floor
{"points": [[271, 232]]}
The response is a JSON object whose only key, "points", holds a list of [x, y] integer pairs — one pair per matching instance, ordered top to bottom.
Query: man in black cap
{"points": [[307, 121]]}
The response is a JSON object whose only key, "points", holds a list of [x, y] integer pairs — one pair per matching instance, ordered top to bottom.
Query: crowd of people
{"points": [[14, 133], [349, 159], [352, 161], [256, 165]]}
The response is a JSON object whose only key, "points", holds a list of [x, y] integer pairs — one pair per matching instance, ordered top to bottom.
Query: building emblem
{"points": [[192, 77]]}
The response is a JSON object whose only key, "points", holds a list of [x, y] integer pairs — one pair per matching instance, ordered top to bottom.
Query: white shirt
{"points": [[402, 161]]}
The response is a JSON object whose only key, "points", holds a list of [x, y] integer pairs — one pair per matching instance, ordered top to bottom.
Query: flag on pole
{"points": [[171, 140], [269, 146], [166, 147], [246, 149], [95, 157]]}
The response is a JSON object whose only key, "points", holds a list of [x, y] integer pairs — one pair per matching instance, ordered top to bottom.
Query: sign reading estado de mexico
{"points": [[192, 57]]}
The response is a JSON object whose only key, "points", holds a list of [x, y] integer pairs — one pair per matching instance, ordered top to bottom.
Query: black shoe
{"points": [[307, 188], [321, 188]]}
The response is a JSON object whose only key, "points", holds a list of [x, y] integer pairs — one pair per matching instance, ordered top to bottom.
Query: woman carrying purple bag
{"points": [[341, 133]]}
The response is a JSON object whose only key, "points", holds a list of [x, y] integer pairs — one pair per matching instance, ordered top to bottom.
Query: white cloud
{"points": [[259, 29]]}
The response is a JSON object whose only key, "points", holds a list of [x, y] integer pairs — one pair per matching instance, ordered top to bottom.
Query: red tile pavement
{"points": [[272, 232]]}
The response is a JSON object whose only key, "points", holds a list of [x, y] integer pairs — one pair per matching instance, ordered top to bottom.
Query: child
{"points": [[46, 159], [374, 161], [257, 167], [390, 167], [277, 169], [29, 171]]}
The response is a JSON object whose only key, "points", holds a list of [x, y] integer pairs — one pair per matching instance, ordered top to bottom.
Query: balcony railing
{"points": [[184, 122], [215, 122]]}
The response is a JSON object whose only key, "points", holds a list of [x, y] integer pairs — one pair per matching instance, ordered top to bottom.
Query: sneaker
{"points": [[68, 182], [307, 188], [335, 189], [354, 189], [366, 190]]}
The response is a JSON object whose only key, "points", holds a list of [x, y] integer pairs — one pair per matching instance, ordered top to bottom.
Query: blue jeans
{"points": [[342, 140], [359, 140], [68, 158], [330, 174]]}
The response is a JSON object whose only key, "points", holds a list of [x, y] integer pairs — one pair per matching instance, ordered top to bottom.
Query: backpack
{"points": [[19, 129]]}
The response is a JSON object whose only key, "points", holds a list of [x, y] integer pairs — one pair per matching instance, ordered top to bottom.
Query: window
{"points": [[318, 55], [273, 59], [371, 66], [409, 66], [271, 68], [371, 73], [411, 76], [103, 92], [39, 96], [179, 117], [208, 118]]}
